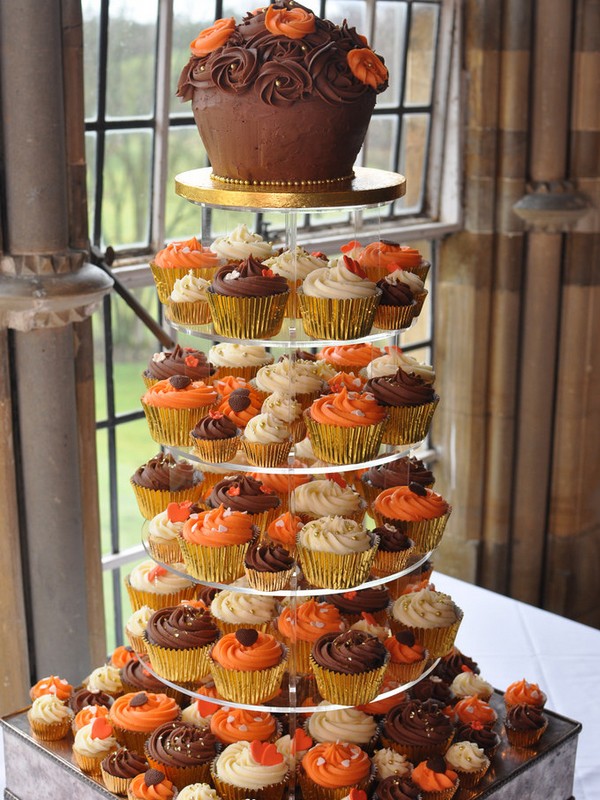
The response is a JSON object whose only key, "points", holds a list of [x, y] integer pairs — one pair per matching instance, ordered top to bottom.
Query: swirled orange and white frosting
{"points": [[347, 409], [150, 577], [88, 744], [336, 764], [236, 765]]}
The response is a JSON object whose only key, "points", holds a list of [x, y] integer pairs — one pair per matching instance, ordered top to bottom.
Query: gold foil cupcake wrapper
{"points": [[421, 271], [165, 277], [419, 302], [189, 313], [247, 317], [326, 318], [392, 318], [149, 382], [409, 424], [172, 426], [297, 430], [337, 444], [215, 451], [273, 454], [154, 501], [425, 533], [167, 552], [388, 563], [215, 564], [333, 571], [268, 581], [158, 600], [437, 641], [139, 646], [299, 653], [188, 665], [405, 673], [251, 687], [348, 690], [50, 731], [133, 740], [415, 752], [88, 764], [180, 776], [468, 780], [115, 784], [227, 791], [313, 791], [442, 794]]}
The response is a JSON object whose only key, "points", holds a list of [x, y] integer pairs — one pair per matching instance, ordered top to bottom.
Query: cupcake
{"points": [[240, 244], [179, 258], [381, 258], [295, 265], [416, 286], [247, 300], [338, 302], [187, 303], [397, 305], [349, 357], [238, 360], [179, 361], [388, 363], [300, 379], [410, 403], [240, 406], [173, 407], [288, 412], [346, 427], [216, 438], [266, 441], [401, 472], [163, 480], [282, 484], [244, 493], [326, 497], [420, 513], [164, 530], [284, 530], [213, 544], [335, 552], [393, 554], [268, 567], [149, 584], [353, 604], [233, 610], [432, 616], [368, 624], [302, 626], [135, 627], [178, 640], [121, 655], [407, 657], [453, 663], [247, 666], [349, 667], [105, 679], [53, 684], [468, 684], [436, 690], [523, 692], [89, 697], [472, 709], [86, 715], [134, 717], [49, 718], [231, 725], [343, 725], [524, 725], [417, 730], [485, 738], [92, 744], [182, 752], [468, 761], [388, 762], [119, 768], [250, 768], [330, 770], [435, 779], [150, 785], [397, 787], [198, 791]]}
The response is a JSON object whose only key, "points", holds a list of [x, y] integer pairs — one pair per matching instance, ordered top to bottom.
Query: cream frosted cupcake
{"points": [[240, 244], [295, 265], [416, 286], [187, 302], [338, 302], [238, 360], [394, 360], [301, 379], [288, 412], [266, 441], [324, 497], [164, 530], [335, 552], [149, 584], [233, 610], [432, 616], [136, 626], [105, 679], [468, 684], [199, 713], [50, 718], [343, 725], [92, 744], [294, 748], [468, 761], [388, 762], [255, 768], [198, 791]]}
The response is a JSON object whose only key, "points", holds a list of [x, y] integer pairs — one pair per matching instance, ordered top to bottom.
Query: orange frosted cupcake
{"points": [[381, 258], [177, 259], [349, 357], [241, 405], [172, 408], [346, 427], [418, 512], [284, 529], [215, 542], [302, 627], [121, 655], [408, 657], [247, 666], [59, 687], [524, 692], [472, 709], [88, 714], [135, 716], [238, 725], [330, 770], [435, 779], [151, 785]]}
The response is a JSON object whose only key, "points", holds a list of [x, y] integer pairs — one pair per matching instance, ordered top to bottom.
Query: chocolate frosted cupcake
{"points": [[247, 300], [397, 305], [179, 361], [411, 403], [216, 438], [396, 473], [163, 480], [244, 493], [395, 549], [268, 567], [351, 605], [178, 640], [452, 665], [349, 667], [136, 678], [434, 689], [89, 697], [524, 725], [417, 730], [475, 732], [183, 752], [119, 768], [397, 787]]}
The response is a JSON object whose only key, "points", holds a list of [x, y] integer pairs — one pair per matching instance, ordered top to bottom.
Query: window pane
{"points": [[355, 11], [189, 18], [91, 31], [389, 39], [421, 54], [131, 58], [380, 145], [186, 151], [90, 158], [412, 160], [126, 200], [134, 448], [112, 636]]}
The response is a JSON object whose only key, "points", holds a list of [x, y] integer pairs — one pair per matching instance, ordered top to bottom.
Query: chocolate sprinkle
{"points": [[180, 381], [239, 400], [416, 488], [246, 636], [406, 637], [140, 699], [436, 764], [152, 777]]}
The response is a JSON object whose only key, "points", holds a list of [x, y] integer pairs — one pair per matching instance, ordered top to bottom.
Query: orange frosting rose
{"points": [[294, 23], [214, 36], [367, 67], [189, 254], [389, 255], [349, 355], [347, 380], [227, 384], [195, 395], [347, 409], [243, 417], [281, 483], [402, 503], [218, 527], [284, 529], [312, 620], [230, 653], [402, 653], [121, 655], [51, 685], [523, 692], [472, 709], [130, 713], [89, 714], [237, 725], [336, 764], [432, 781], [138, 788]]}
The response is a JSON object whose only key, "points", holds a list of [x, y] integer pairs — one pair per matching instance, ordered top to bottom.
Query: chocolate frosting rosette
{"points": [[397, 306], [179, 361], [410, 402], [216, 438], [401, 472], [163, 480], [244, 493], [268, 567], [524, 725], [417, 730], [182, 752], [119, 768], [397, 787]]}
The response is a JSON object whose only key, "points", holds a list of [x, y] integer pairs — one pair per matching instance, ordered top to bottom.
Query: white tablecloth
{"points": [[511, 640]]}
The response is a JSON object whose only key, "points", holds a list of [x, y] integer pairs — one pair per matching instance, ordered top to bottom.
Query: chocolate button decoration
{"points": [[180, 381], [239, 400], [416, 488], [246, 636], [140, 699], [436, 764], [152, 777]]}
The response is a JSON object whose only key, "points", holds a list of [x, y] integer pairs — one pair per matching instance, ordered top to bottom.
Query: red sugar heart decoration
{"points": [[347, 248], [336, 478], [179, 512], [156, 572], [101, 729], [301, 741], [266, 754], [357, 794]]}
